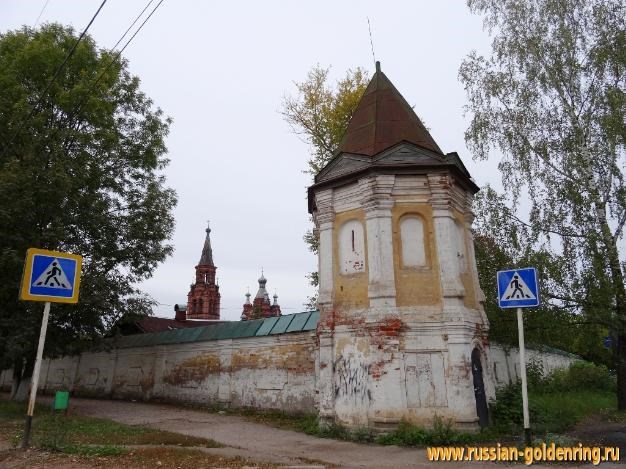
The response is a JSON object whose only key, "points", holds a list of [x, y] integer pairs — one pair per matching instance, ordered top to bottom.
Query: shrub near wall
{"points": [[558, 400]]}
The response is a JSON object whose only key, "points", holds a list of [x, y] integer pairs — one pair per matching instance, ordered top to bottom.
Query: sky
{"points": [[221, 71]]}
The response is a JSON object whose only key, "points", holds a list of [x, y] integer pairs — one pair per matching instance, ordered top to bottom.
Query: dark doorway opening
{"points": [[479, 389]]}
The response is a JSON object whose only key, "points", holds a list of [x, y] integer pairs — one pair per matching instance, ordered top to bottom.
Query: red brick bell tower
{"points": [[203, 300]]}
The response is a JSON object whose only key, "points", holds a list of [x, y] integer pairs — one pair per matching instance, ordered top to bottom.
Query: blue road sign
{"points": [[51, 276], [518, 288], [608, 342]]}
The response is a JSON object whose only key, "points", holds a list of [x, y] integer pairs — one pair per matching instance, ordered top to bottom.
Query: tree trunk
{"points": [[619, 295], [621, 367], [17, 376], [22, 391]]}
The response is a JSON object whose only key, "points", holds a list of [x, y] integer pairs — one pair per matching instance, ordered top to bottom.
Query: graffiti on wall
{"points": [[351, 380]]}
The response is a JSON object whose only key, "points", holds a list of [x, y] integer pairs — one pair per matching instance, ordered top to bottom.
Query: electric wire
{"points": [[41, 13], [54, 77], [82, 102]]}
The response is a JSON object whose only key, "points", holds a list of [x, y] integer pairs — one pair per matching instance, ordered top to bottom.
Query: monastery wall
{"points": [[506, 365], [269, 372]]}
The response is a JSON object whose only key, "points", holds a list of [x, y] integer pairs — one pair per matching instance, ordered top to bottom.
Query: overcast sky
{"points": [[221, 69]]}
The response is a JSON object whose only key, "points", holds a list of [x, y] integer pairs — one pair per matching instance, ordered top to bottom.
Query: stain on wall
{"points": [[193, 370]]}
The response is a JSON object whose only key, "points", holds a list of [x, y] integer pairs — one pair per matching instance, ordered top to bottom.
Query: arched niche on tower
{"points": [[351, 248], [413, 252]]}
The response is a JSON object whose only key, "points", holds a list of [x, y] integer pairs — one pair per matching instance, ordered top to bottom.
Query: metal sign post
{"points": [[49, 276], [519, 289], [522, 366], [35, 378]]}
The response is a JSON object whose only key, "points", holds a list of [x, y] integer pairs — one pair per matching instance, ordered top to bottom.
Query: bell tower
{"points": [[203, 300], [401, 312]]}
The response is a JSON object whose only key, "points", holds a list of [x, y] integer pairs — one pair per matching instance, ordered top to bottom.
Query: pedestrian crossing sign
{"points": [[51, 276], [518, 288]]}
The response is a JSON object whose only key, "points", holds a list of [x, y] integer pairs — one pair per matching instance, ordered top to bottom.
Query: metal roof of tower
{"points": [[382, 119]]}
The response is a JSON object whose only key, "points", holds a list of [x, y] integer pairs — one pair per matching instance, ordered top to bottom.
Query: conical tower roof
{"points": [[382, 119], [207, 252]]}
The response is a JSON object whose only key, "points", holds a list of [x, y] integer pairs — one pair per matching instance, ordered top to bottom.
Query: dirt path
{"points": [[254, 440], [263, 443]]}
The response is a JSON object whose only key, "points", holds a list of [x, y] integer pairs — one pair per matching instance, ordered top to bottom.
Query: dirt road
{"points": [[254, 440], [263, 443]]}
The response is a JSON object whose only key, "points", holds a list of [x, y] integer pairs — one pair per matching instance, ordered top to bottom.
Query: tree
{"points": [[550, 99], [320, 115], [81, 170], [497, 247]]}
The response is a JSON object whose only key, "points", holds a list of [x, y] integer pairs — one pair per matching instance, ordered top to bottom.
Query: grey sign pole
{"points": [[522, 362], [34, 382]]}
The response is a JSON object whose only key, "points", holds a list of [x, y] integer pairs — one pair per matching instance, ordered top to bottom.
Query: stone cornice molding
{"points": [[440, 197], [325, 212]]}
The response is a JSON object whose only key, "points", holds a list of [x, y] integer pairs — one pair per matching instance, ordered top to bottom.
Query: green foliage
{"points": [[549, 102], [320, 112], [84, 174], [550, 324], [535, 373], [580, 376], [557, 401], [506, 410], [442, 433]]}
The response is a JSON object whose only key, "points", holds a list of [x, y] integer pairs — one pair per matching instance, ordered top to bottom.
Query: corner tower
{"points": [[203, 300], [402, 331]]}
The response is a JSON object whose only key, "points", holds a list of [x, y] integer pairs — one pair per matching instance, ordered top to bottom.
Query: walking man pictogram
{"points": [[52, 276], [516, 287]]}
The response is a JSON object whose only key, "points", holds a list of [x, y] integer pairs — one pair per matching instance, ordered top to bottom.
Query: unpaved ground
{"points": [[596, 431], [250, 439], [262, 443]]}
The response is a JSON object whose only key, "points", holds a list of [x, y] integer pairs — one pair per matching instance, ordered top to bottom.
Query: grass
{"points": [[557, 400], [558, 412], [442, 433], [86, 435], [61, 441]]}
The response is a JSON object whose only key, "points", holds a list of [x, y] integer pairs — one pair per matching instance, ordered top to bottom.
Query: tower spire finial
{"points": [[207, 252]]}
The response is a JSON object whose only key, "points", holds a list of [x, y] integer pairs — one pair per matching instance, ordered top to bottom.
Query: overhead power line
{"points": [[41, 13], [54, 77], [82, 102]]}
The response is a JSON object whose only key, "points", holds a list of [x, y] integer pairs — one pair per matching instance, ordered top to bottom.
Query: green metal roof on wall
{"points": [[298, 322], [290, 323], [311, 323], [282, 324], [267, 326]]}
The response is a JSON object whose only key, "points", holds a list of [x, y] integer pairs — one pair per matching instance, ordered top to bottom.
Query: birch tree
{"points": [[549, 102]]}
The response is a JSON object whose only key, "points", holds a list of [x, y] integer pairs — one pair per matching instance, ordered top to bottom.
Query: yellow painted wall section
{"points": [[466, 278], [416, 285], [350, 291]]}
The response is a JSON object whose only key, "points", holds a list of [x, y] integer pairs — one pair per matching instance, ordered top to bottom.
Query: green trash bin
{"points": [[61, 401]]}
